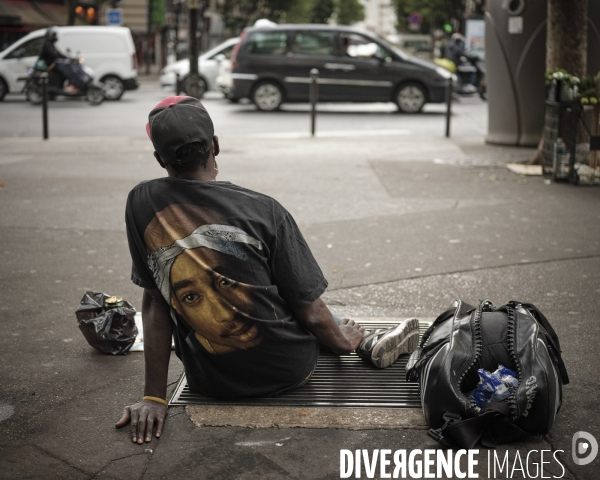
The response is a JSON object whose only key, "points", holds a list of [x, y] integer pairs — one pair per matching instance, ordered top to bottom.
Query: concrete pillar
{"points": [[515, 61]]}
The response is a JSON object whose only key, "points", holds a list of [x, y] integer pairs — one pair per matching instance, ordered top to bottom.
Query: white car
{"points": [[108, 51], [208, 66], [225, 78]]}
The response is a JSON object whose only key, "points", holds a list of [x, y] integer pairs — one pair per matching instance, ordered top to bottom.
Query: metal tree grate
{"points": [[341, 381]]}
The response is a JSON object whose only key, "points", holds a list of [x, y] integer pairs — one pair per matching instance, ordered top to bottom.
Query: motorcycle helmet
{"points": [[51, 34], [457, 38]]}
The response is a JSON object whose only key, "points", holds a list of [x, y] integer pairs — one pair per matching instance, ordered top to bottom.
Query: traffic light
{"points": [[88, 11], [447, 28]]}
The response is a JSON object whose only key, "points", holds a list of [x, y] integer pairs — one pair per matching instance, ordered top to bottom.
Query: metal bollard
{"points": [[177, 85], [449, 92], [314, 98], [45, 104]]}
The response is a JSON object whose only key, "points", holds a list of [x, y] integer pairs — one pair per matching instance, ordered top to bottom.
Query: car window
{"points": [[269, 43], [313, 43], [359, 46], [28, 49], [226, 51]]}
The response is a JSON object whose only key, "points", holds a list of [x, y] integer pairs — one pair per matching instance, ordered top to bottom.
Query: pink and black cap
{"points": [[177, 121]]}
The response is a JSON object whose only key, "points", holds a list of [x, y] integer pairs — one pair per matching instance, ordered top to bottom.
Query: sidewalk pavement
{"points": [[395, 233]]}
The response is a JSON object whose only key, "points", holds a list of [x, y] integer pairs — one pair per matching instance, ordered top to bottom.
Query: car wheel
{"points": [[113, 87], [202, 87], [3, 89], [267, 96], [410, 98]]}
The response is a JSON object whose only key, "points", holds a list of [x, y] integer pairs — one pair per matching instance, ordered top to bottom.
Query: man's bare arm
{"points": [[317, 318], [158, 330]]}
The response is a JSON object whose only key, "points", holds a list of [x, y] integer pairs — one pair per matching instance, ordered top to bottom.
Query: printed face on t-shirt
{"points": [[215, 306]]}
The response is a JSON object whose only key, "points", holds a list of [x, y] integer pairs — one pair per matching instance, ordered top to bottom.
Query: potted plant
{"points": [[562, 86], [589, 90]]}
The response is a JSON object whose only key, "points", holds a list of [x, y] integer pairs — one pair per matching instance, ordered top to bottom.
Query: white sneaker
{"points": [[384, 346]]}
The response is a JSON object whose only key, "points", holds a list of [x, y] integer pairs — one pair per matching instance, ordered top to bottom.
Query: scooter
{"points": [[470, 72], [93, 91]]}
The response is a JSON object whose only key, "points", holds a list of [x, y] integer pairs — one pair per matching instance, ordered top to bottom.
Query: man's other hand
{"points": [[353, 332], [144, 416]]}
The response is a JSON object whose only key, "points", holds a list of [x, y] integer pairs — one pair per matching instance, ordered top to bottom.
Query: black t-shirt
{"points": [[232, 265]]}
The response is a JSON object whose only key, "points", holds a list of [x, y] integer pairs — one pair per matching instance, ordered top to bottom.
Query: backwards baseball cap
{"points": [[177, 121]]}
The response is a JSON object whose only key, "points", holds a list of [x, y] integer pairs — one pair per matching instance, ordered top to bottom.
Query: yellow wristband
{"points": [[156, 399]]}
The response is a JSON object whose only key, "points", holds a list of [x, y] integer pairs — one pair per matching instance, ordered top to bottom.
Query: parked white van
{"points": [[108, 51]]}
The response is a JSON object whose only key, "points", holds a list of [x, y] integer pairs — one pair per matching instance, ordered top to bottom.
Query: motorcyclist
{"points": [[456, 49], [456, 52], [49, 54]]}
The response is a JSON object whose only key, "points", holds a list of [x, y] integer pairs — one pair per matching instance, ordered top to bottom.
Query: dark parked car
{"points": [[271, 65]]}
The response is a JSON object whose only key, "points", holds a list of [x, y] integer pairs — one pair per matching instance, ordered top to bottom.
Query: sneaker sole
{"points": [[403, 339]]}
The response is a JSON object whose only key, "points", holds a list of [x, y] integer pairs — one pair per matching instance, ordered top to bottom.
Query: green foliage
{"points": [[158, 11], [321, 11], [349, 11], [435, 13], [238, 14], [590, 86]]}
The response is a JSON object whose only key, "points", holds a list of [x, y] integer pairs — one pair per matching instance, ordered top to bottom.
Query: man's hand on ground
{"points": [[353, 332], [144, 416]]}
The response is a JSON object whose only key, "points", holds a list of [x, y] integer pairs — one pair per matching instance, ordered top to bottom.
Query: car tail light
{"points": [[235, 51], [134, 63]]}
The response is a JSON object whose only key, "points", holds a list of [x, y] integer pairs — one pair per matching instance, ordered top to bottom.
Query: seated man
{"points": [[227, 271]]}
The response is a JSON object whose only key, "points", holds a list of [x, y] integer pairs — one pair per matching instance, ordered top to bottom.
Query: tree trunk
{"points": [[566, 36], [566, 43]]}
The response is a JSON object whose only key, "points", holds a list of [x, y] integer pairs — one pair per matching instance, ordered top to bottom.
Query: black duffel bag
{"points": [[464, 339]]}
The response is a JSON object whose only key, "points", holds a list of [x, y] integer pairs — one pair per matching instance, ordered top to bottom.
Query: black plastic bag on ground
{"points": [[108, 329]]}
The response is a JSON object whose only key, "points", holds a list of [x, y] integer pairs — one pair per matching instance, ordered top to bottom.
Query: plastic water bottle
{"points": [[561, 159]]}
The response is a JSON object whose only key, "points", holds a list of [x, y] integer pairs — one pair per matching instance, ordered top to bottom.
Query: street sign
{"points": [[114, 16], [415, 18], [414, 21]]}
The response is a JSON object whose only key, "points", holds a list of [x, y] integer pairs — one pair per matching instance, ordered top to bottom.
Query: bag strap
{"points": [[441, 318], [551, 336], [417, 359], [491, 427]]}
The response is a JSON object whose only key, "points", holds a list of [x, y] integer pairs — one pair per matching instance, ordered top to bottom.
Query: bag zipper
{"points": [[511, 337], [478, 351]]}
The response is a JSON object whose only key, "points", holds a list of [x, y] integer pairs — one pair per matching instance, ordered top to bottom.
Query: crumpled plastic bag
{"points": [[109, 330], [494, 387]]}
